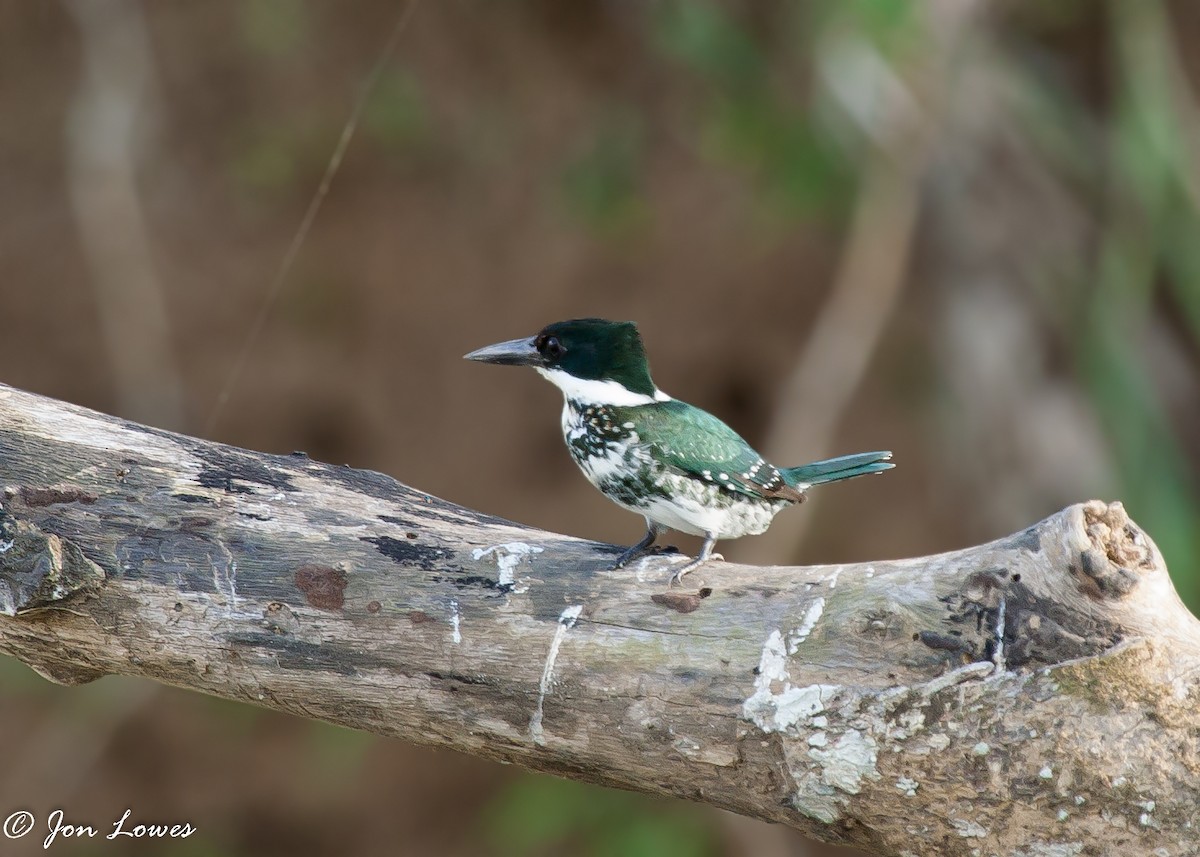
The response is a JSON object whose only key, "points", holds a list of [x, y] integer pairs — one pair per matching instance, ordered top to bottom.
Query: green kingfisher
{"points": [[679, 467]]}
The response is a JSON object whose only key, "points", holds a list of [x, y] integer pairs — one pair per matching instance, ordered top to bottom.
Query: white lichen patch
{"points": [[508, 557], [811, 616], [455, 622], [1180, 689], [798, 704], [776, 705], [912, 720], [934, 743], [981, 749], [847, 762], [825, 772], [1046, 772], [908, 785], [816, 799], [969, 829]]}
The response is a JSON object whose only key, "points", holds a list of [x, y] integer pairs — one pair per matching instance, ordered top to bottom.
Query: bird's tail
{"points": [[836, 469]]}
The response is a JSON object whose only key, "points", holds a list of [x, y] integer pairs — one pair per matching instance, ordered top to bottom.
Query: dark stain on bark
{"points": [[234, 471], [212, 478], [371, 483], [384, 487], [53, 494], [192, 498], [1030, 540], [405, 552], [465, 581], [323, 587], [682, 602], [1036, 630], [945, 642], [300, 654], [461, 678]]}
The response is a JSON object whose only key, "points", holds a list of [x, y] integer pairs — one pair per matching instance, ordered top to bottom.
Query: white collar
{"points": [[590, 392]]}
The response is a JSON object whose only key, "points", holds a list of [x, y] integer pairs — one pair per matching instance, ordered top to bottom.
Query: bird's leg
{"points": [[653, 531], [706, 553]]}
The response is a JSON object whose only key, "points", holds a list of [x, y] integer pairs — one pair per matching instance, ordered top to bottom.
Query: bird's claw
{"points": [[633, 553], [677, 577]]}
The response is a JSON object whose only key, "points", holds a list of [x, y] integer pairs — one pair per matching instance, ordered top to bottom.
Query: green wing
{"points": [[694, 443]]}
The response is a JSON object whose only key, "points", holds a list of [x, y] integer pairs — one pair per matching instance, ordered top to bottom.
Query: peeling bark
{"points": [[1032, 696]]}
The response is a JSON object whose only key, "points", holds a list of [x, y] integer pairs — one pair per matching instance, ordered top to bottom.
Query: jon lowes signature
{"points": [[21, 823]]}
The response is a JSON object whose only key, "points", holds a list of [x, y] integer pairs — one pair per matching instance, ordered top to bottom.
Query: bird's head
{"points": [[589, 359]]}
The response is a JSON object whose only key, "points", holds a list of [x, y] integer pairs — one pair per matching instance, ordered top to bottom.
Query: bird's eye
{"points": [[549, 346]]}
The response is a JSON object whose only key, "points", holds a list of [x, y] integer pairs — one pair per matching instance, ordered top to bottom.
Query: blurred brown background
{"points": [[964, 231]]}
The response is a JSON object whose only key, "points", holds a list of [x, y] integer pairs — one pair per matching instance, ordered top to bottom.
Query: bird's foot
{"points": [[637, 550], [677, 577]]}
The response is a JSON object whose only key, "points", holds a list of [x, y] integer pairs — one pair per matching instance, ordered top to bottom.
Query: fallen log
{"points": [[1032, 696]]}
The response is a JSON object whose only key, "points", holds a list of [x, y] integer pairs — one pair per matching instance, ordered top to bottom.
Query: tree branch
{"points": [[1035, 695]]}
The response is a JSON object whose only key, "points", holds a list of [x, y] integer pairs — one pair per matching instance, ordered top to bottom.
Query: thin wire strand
{"points": [[289, 258]]}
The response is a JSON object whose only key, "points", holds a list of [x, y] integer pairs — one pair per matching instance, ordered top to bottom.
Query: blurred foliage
{"points": [[891, 25], [276, 29], [396, 115], [751, 120], [277, 156], [265, 160], [1135, 164], [602, 186], [1150, 205], [19, 680], [237, 719], [336, 754], [539, 816]]}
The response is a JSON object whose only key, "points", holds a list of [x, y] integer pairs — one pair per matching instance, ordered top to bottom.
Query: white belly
{"points": [[698, 509]]}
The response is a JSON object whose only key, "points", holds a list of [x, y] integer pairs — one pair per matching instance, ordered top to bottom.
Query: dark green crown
{"points": [[597, 350]]}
